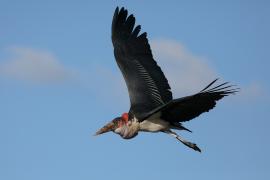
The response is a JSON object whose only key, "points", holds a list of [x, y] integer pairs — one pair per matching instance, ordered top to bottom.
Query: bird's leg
{"points": [[185, 142]]}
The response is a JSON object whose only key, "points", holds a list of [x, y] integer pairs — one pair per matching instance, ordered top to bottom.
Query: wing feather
{"points": [[147, 86], [189, 107]]}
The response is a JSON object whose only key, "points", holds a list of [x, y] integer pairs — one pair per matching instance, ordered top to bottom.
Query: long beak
{"points": [[108, 127]]}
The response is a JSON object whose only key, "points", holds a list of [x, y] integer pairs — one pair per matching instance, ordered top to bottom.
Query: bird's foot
{"points": [[192, 145]]}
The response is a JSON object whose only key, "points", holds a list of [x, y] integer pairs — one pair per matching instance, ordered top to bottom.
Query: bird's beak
{"points": [[108, 127]]}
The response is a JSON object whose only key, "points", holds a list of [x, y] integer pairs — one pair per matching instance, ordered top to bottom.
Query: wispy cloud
{"points": [[34, 66], [186, 72], [107, 83], [251, 92]]}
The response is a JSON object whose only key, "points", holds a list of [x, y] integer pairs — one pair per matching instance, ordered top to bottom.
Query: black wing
{"points": [[147, 86], [187, 108]]}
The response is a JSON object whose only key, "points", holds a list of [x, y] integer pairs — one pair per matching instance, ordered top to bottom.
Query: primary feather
{"points": [[147, 86]]}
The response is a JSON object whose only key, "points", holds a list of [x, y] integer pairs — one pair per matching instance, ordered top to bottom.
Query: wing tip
{"points": [[122, 21], [223, 89]]}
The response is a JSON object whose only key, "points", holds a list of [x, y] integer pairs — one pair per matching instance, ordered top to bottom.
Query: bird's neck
{"points": [[128, 130]]}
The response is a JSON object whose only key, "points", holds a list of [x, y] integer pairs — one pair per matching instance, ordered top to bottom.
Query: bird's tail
{"points": [[179, 126]]}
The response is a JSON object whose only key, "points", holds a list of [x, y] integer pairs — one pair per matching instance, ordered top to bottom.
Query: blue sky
{"points": [[59, 83]]}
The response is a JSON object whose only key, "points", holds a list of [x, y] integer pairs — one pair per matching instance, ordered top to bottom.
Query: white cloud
{"points": [[35, 66], [185, 72], [188, 73], [108, 84], [251, 92]]}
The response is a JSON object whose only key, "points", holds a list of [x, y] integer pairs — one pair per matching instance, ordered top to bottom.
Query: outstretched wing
{"points": [[147, 86], [187, 108]]}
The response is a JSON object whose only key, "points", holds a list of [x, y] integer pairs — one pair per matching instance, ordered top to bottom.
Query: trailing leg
{"points": [[185, 142]]}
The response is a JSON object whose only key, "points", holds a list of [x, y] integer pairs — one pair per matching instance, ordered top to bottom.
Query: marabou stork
{"points": [[153, 108]]}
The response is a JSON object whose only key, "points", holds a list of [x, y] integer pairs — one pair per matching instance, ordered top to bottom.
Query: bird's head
{"points": [[114, 124]]}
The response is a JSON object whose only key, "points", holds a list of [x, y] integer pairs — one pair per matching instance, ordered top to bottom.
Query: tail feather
{"points": [[179, 126]]}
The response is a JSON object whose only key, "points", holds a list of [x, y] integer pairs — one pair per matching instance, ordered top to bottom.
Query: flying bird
{"points": [[152, 107]]}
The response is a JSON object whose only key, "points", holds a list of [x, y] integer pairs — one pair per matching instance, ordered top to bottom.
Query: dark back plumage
{"points": [[147, 86]]}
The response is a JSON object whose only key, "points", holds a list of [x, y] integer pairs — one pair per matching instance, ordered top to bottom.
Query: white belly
{"points": [[154, 124]]}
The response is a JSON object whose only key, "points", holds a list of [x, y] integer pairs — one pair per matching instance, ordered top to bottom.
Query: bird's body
{"points": [[153, 108], [133, 126]]}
